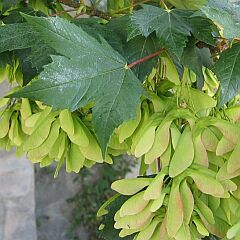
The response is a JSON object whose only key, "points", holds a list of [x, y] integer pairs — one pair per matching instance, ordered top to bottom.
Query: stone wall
{"points": [[17, 198], [17, 203], [53, 212]]}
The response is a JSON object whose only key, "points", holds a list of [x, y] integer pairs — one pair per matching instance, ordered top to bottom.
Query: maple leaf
{"points": [[226, 14], [169, 25], [16, 36], [20, 37], [195, 58], [227, 70], [86, 71]]}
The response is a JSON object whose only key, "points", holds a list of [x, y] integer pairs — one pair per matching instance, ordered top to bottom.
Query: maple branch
{"points": [[70, 3], [164, 5], [132, 6], [89, 10], [92, 11], [62, 12], [133, 64]]}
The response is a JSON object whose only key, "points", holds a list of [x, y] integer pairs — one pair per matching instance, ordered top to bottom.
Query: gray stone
{"points": [[4, 88], [16, 176], [16, 182], [17, 200], [17, 205], [53, 213], [2, 218], [19, 225]]}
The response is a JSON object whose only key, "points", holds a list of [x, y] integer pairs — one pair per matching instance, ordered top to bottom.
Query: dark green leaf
{"points": [[229, 6], [226, 15], [14, 16], [120, 26], [169, 26], [93, 28], [203, 29], [115, 32], [16, 36], [21, 36], [138, 48], [40, 55], [206, 57], [6, 58], [195, 58], [25, 64], [227, 70], [87, 71], [109, 232]]}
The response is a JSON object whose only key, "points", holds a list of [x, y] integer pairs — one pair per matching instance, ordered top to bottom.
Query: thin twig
{"points": [[70, 3], [165, 5], [132, 6], [89, 10], [62, 12], [98, 13], [78, 15], [133, 64]]}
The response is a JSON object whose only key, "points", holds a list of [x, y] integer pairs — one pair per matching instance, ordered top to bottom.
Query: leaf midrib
{"points": [[233, 67], [122, 80], [72, 81]]}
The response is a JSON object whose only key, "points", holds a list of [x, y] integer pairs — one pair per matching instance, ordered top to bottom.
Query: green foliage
{"points": [[6, 4], [116, 5], [226, 15], [169, 26], [97, 30], [12, 37], [173, 37], [138, 48], [132, 50], [32, 53], [192, 58], [5, 59], [227, 70], [159, 81], [110, 110], [188, 179], [109, 232]]}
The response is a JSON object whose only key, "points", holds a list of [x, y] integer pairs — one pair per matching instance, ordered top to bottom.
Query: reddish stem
{"points": [[131, 65]]}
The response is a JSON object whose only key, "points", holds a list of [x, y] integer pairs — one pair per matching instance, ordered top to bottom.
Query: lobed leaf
{"points": [[169, 26], [227, 70], [83, 74]]}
